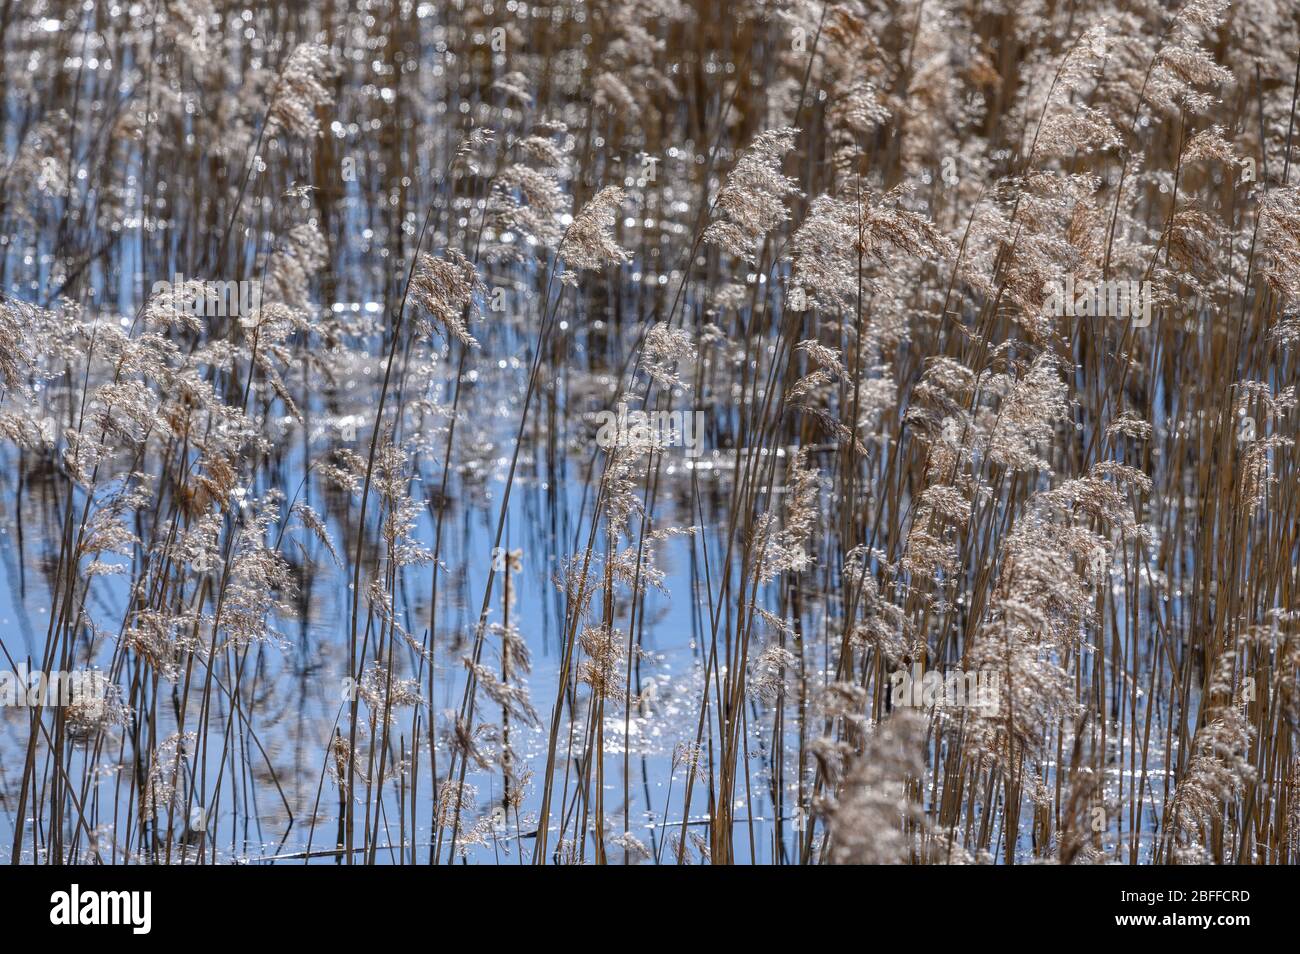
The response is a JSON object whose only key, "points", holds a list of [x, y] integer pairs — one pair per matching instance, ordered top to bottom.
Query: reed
{"points": [[949, 510]]}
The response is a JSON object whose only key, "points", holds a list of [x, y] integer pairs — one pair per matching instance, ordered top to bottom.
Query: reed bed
{"points": [[654, 431]]}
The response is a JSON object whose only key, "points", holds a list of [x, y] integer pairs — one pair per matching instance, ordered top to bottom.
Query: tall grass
{"points": [[332, 512]]}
